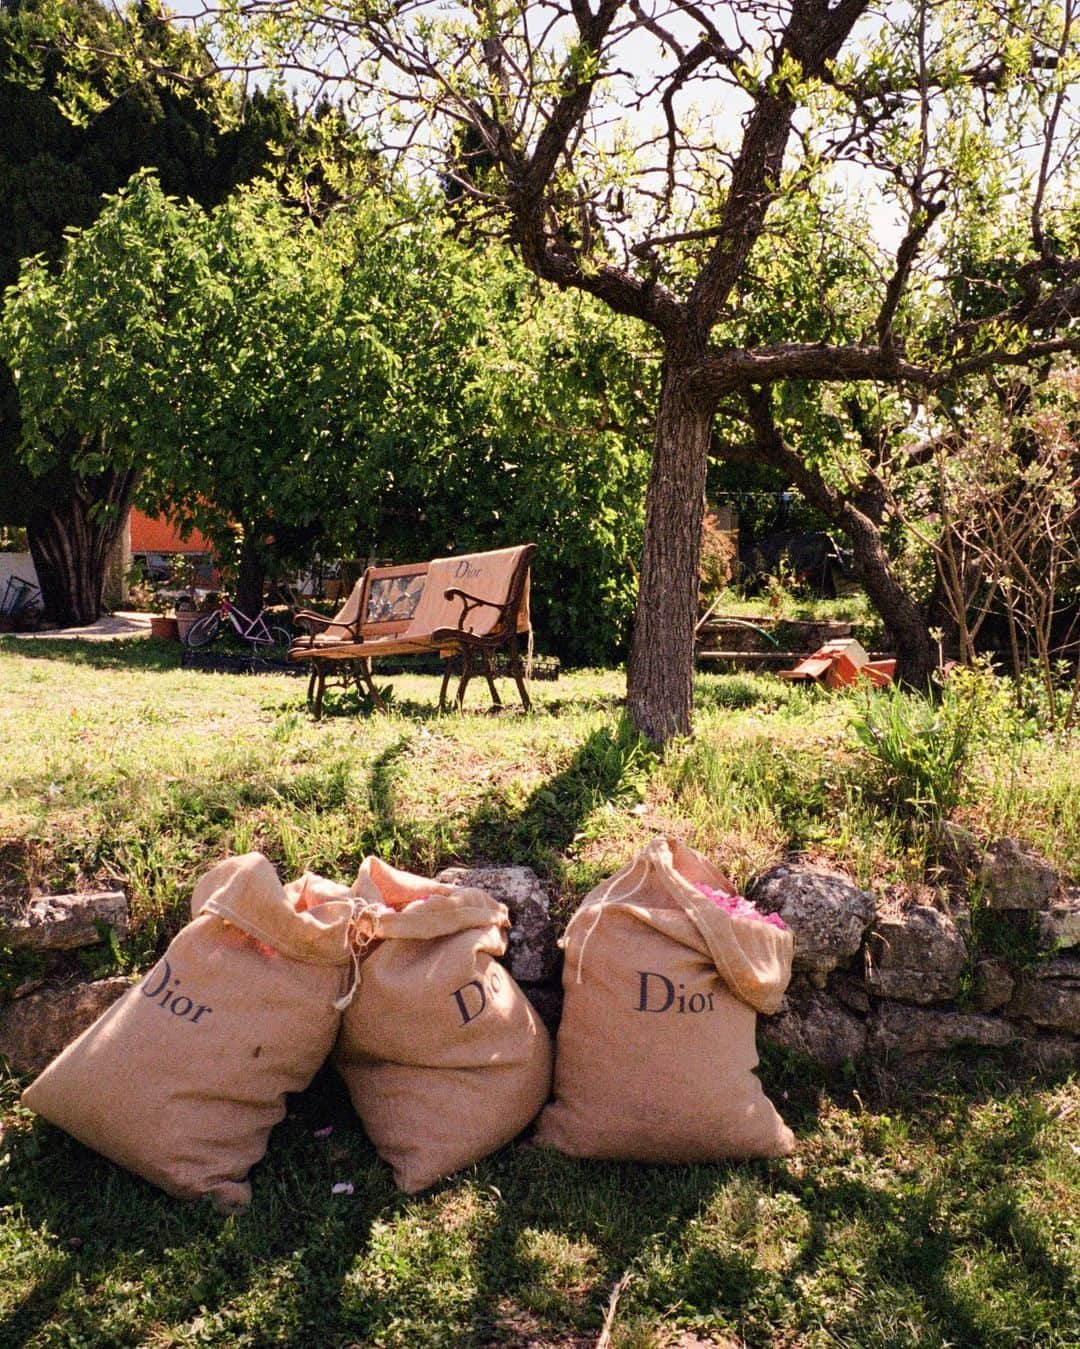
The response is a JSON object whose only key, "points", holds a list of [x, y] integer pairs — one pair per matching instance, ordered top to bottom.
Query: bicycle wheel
{"points": [[203, 631], [281, 637]]}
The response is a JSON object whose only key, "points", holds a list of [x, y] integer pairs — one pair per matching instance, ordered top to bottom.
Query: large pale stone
{"points": [[1013, 876], [826, 913], [64, 922], [532, 954], [916, 957], [1049, 995], [813, 1023], [896, 1028], [33, 1030]]}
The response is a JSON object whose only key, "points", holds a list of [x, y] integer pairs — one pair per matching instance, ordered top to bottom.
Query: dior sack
{"points": [[665, 972], [444, 1058], [182, 1079]]}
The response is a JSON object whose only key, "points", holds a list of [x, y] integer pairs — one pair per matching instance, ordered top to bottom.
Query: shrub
{"points": [[921, 747]]}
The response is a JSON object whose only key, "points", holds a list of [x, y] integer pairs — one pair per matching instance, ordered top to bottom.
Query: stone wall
{"points": [[1001, 968], [997, 969]]}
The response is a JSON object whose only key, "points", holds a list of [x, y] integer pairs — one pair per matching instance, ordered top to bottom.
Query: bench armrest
{"points": [[469, 603], [312, 625]]}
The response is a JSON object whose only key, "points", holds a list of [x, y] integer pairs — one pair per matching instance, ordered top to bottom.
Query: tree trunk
{"points": [[72, 528], [251, 576], [905, 622], [661, 668]]}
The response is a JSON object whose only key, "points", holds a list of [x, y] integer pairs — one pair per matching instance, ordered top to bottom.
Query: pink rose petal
{"points": [[740, 907]]}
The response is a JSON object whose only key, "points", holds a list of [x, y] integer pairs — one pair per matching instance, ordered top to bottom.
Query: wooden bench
{"points": [[463, 608]]}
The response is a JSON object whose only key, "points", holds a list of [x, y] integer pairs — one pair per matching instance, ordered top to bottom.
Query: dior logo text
{"points": [[465, 570], [159, 984], [658, 994], [471, 1000]]}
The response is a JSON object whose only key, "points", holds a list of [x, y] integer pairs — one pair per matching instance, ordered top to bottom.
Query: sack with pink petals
{"points": [[666, 969]]}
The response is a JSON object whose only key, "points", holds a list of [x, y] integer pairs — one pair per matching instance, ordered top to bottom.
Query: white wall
{"points": [[16, 564]]}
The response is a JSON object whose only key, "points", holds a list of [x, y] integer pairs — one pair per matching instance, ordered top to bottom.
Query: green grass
{"points": [[938, 1213]]}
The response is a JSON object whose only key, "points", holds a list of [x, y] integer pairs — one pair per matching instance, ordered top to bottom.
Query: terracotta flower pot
{"points": [[161, 626]]}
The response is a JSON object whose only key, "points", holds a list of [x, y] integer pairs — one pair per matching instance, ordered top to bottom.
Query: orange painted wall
{"points": [[159, 536]]}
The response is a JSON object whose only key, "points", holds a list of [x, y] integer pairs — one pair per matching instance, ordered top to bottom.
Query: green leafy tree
{"points": [[72, 129], [86, 342], [274, 374], [365, 384], [505, 419]]}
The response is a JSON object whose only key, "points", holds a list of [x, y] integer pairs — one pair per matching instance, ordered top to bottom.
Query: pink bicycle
{"points": [[262, 636]]}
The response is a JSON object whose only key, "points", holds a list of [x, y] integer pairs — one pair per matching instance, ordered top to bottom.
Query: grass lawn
{"points": [[940, 1212]]}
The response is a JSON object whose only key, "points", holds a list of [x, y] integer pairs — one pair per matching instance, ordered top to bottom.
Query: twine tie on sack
{"points": [[605, 898], [358, 943]]}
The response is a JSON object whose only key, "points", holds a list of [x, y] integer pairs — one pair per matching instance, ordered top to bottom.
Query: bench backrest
{"points": [[501, 576], [391, 596], [409, 601], [347, 615]]}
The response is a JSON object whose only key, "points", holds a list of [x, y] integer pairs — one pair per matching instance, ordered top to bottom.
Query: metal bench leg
{"points": [[447, 669], [517, 670], [467, 672], [318, 673], [489, 675], [366, 681]]}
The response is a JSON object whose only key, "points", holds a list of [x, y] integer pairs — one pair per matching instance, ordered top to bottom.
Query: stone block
{"points": [[1013, 876], [826, 913], [64, 922], [1058, 929], [532, 954], [917, 956], [994, 984], [850, 989], [1049, 995], [818, 1026], [896, 1028], [35, 1029]]}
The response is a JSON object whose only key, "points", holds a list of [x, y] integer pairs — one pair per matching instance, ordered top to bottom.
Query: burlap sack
{"points": [[655, 1056], [444, 1058], [183, 1078]]}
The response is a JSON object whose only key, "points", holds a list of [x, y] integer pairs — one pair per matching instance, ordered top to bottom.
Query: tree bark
{"points": [[72, 527], [251, 576], [905, 622], [660, 673]]}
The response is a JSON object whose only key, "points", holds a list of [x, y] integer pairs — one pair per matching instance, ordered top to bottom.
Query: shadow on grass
{"points": [[130, 653], [609, 765], [524, 1248]]}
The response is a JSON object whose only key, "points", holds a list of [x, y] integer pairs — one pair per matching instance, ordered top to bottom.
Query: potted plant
{"points": [[186, 614], [162, 621]]}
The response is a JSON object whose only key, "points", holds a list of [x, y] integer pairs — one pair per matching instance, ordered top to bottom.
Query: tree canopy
{"points": [[73, 127], [645, 154], [663, 157], [366, 385]]}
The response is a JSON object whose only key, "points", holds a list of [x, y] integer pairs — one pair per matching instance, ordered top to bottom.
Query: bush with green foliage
{"points": [[920, 748]]}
